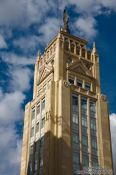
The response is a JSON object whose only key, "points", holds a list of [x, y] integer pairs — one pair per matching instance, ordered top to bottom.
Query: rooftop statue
{"points": [[66, 21]]}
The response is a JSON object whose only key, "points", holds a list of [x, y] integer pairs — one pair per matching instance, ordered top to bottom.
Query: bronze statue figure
{"points": [[66, 21]]}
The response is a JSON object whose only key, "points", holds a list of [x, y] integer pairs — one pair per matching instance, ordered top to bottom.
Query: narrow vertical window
{"points": [[88, 86], [43, 104], [38, 108], [33, 113], [42, 122], [37, 127], [93, 128], [32, 131], [75, 134], [85, 154]]}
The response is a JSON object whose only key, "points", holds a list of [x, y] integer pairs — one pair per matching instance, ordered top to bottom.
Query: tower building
{"points": [[66, 125]]}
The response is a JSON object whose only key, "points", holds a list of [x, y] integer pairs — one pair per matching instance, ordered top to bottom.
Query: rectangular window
{"points": [[72, 47], [78, 50], [71, 81], [79, 83], [88, 86], [75, 103], [84, 103], [43, 104], [92, 106], [38, 108], [33, 113], [75, 118], [42, 122], [84, 122], [93, 124], [37, 127], [32, 131], [84, 131], [75, 134], [75, 138], [42, 141], [85, 141], [94, 143], [85, 161], [95, 162]]}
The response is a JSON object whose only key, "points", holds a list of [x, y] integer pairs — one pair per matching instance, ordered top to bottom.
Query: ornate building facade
{"points": [[66, 125]]}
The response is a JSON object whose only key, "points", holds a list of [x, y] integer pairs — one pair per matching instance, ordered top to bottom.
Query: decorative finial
{"points": [[66, 21], [94, 48], [39, 53]]}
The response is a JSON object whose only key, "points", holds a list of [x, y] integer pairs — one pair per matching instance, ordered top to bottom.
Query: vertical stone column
{"points": [[36, 74], [80, 131], [89, 133], [25, 144]]}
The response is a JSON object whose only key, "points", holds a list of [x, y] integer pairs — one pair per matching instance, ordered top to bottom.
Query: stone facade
{"points": [[65, 61]]}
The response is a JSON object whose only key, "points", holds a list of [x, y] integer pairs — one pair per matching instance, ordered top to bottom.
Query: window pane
{"points": [[72, 47], [78, 50], [71, 81], [79, 83], [88, 86], [84, 102], [75, 103], [43, 104], [92, 106], [38, 109], [33, 114], [75, 118], [42, 122], [84, 122], [93, 124], [37, 127], [84, 131], [32, 132], [75, 138], [85, 141], [94, 144], [85, 161], [95, 162]]}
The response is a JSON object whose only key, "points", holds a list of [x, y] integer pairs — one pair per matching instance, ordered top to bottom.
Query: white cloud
{"points": [[110, 4], [23, 12], [86, 27], [49, 29], [3, 43], [27, 44], [17, 60], [21, 77], [11, 107], [11, 111], [113, 136], [10, 146]]}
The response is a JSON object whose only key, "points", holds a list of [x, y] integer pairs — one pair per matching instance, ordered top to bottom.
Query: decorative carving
{"points": [[66, 84], [103, 97]]}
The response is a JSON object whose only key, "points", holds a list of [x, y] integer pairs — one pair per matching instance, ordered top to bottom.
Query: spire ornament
{"points": [[66, 21], [94, 48]]}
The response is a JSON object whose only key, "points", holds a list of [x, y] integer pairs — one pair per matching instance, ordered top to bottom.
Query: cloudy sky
{"points": [[26, 26]]}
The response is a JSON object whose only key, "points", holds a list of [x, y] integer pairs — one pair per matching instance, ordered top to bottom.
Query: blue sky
{"points": [[27, 26]]}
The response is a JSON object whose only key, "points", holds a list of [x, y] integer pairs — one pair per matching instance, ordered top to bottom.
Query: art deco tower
{"points": [[66, 125]]}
